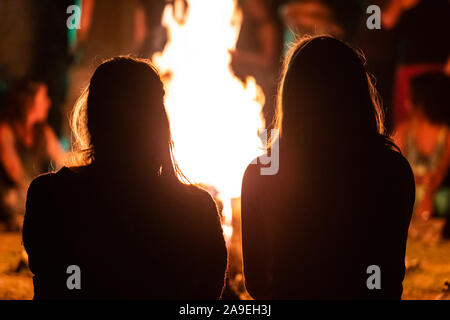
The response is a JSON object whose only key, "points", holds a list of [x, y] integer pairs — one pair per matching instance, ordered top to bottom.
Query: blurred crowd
{"points": [[44, 65]]}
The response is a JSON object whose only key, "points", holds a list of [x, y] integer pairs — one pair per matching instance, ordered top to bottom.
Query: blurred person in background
{"points": [[349, 15], [312, 17], [107, 29], [115, 29], [422, 30], [155, 34], [16, 40], [378, 46], [258, 50], [52, 55], [425, 141], [27, 146]]}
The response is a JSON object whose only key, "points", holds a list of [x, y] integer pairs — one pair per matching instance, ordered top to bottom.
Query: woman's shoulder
{"points": [[397, 159], [395, 165], [253, 171], [257, 176], [54, 178], [41, 188], [198, 196], [199, 205]]}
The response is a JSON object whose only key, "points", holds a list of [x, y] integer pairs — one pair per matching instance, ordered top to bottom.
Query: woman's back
{"points": [[342, 199], [122, 215], [322, 232], [130, 240]]}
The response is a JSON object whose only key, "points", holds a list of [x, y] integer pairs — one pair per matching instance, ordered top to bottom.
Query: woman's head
{"points": [[326, 94], [27, 101], [120, 119]]}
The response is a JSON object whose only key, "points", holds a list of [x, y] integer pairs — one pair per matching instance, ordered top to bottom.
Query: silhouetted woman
{"points": [[342, 199], [133, 229]]}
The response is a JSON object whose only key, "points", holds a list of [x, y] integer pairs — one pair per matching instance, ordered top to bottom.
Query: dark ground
{"points": [[428, 263]]}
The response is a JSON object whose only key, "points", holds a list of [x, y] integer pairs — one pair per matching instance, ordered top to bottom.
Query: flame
{"points": [[214, 116]]}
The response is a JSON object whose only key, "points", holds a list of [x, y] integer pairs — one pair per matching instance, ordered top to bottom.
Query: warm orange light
{"points": [[214, 116]]}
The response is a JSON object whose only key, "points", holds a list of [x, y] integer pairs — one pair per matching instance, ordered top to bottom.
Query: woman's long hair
{"points": [[327, 96], [120, 119]]}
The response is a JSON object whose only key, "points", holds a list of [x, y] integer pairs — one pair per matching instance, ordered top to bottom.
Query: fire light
{"points": [[214, 116]]}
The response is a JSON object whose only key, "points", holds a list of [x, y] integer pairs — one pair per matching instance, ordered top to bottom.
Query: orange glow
{"points": [[214, 117]]}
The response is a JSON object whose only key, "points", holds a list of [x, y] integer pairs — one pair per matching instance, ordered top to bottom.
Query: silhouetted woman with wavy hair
{"points": [[340, 205], [121, 215]]}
